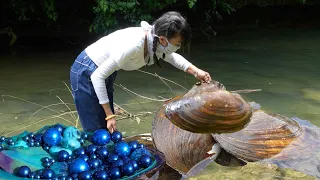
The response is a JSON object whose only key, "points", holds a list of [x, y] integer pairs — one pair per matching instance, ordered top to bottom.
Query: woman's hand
{"points": [[199, 74], [203, 76], [111, 120], [111, 125]]}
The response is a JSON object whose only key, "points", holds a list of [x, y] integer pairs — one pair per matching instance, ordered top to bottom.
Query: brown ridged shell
{"points": [[209, 108], [264, 137], [182, 149]]}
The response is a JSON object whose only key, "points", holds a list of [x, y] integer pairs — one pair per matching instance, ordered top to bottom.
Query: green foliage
{"points": [[191, 3], [21, 8], [24, 9], [50, 9], [107, 13], [110, 15]]}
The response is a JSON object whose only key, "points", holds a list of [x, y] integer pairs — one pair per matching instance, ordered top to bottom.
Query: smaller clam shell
{"points": [[209, 108], [264, 137]]}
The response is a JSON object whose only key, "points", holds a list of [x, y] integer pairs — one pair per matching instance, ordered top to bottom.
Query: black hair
{"points": [[169, 25]]}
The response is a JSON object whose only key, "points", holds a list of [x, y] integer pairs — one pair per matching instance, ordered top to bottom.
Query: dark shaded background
{"points": [[72, 27]]}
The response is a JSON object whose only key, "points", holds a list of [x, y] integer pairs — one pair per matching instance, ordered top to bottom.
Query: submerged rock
{"points": [[254, 170]]}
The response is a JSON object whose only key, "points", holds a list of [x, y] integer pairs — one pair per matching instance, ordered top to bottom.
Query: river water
{"points": [[283, 63]]}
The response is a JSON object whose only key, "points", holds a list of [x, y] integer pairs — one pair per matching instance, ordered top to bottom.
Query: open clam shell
{"points": [[209, 108], [264, 137], [182, 149]]}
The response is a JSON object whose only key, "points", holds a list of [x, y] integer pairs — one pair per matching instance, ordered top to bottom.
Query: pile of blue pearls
{"points": [[51, 137], [2, 139], [8, 140], [33, 140], [96, 161], [25, 172]]}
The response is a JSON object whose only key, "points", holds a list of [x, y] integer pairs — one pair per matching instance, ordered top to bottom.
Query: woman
{"points": [[94, 71]]}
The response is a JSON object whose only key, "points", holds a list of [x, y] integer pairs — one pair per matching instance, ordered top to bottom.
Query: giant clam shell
{"points": [[209, 108], [264, 137], [182, 149]]}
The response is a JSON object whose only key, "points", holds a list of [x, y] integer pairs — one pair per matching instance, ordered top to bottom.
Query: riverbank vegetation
{"points": [[77, 22]]}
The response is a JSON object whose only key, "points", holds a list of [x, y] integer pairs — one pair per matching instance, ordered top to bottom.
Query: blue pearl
{"points": [[59, 127], [31, 135], [84, 135], [116, 136], [38, 137], [52, 137], [100, 137], [2, 138], [26, 138], [9, 140], [81, 140], [11, 143], [30, 144], [37, 144], [133, 145], [141, 146], [1, 148], [46, 148], [91, 149], [122, 149], [79, 151], [102, 152], [62, 156], [93, 156], [84, 157], [112, 158], [45, 159], [52, 161], [145, 161], [93, 163], [118, 163], [46, 164], [134, 164], [78, 165], [127, 169], [23, 171], [114, 173], [48, 174], [32, 175], [86, 175], [101, 175], [38, 176], [62, 177], [68, 178]]}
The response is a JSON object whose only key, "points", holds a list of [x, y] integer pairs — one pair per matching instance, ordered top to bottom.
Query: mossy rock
{"points": [[250, 171]]}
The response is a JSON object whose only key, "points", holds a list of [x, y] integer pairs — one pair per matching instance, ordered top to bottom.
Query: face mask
{"points": [[168, 49]]}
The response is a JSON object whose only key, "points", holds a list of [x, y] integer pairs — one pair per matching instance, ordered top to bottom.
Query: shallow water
{"points": [[283, 63]]}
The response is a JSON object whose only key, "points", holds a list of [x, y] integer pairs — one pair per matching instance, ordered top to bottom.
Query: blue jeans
{"points": [[91, 113]]}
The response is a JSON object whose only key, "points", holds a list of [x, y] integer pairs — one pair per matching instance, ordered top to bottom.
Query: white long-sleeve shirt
{"points": [[124, 49]]}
